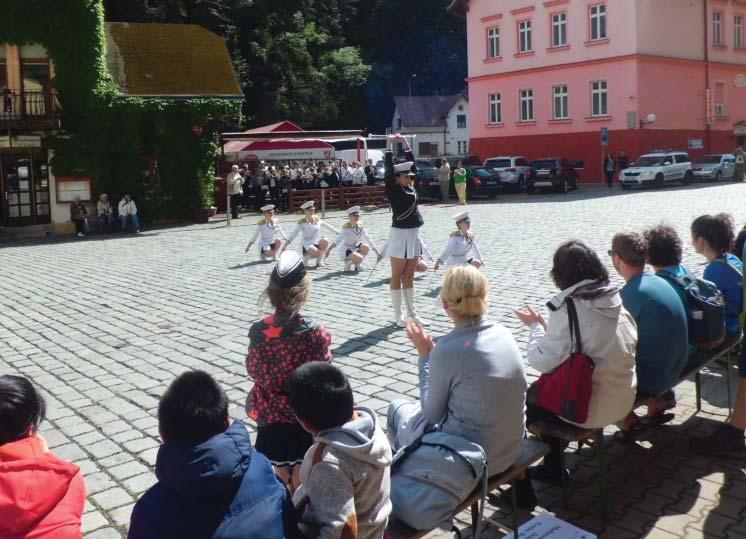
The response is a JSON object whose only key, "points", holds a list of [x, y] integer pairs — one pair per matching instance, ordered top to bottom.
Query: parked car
{"points": [[715, 167], [658, 168], [513, 171], [552, 172], [380, 173], [480, 181], [426, 182]]}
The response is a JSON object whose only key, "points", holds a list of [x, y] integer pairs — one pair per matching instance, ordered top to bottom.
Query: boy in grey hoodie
{"points": [[345, 482]]}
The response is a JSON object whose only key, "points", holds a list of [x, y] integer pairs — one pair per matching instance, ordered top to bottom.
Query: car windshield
{"points": [[710, 159], [651, 161], [497, 163], [550, 163], [379, 164], [428, 172], [481, 172]]}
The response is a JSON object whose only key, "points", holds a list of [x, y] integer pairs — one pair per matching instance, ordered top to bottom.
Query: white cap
{"points": [[404, 168], [307, 205], [268, 207], [354, 209], [463, 216]]}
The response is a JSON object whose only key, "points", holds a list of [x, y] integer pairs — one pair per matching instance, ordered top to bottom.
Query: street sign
{"points": [[604, 136]]}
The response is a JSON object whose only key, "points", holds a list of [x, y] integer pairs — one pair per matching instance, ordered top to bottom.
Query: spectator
{"points": [[623, 161], [740, 164], [609, 169], [370, 173], [345, 175], [358, 176], [444, 178], [333, 180], [459, 182], [257, 188], [235, 189], [128, 211], [105, 213], [79, 217], [712, 237], [739, 244], [608, 334], [662, 335], [278, 345], [471, 372], [345, 480], [211, 483], [41, 495]]}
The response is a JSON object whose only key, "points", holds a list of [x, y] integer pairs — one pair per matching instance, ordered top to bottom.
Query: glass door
{"points": [[17, 184], [41, 192]]}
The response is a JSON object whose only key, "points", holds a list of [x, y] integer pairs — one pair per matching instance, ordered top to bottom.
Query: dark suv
{"points": [[554, 172]]}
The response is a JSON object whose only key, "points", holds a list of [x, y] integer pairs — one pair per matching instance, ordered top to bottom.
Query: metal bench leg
{"points": [[729, 367], [698, 390], [563, 479], [602, 481], [514, 500], [474, 518]]}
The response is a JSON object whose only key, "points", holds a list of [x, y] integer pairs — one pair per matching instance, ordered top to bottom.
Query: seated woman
{"points": [[608, 335], [472, 382], [42, 495]]}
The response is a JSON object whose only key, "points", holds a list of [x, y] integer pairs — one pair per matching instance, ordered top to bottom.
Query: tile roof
{"points": [[169, 60], [425, 111]]}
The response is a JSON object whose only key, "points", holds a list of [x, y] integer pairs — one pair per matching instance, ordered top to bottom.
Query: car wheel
{"points": [[719, 176], [687, 178], [659, 181], [521, 184], [562, 187], [626, 187]]}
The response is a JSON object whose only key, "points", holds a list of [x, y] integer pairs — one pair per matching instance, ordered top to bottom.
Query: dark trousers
{"points": [[610, 177], [235, 202], [80, 226], [536, 413]]}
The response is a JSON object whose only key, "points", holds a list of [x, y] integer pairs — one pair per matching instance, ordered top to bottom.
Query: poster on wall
{"points": [[70, 188]]}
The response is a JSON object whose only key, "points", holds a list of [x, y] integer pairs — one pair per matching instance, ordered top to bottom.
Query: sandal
{"points": [[661, 418], [632, 434]]}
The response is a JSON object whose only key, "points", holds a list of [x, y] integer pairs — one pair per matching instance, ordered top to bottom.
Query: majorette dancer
{"points": [[269, 232], [354, 242], [314, 244], [461, 247]]}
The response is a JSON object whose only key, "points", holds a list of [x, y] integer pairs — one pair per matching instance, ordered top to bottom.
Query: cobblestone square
{"points": [[103, 325]]}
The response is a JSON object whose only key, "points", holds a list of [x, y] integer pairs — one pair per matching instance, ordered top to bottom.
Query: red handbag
{"points": [[566, 391]]}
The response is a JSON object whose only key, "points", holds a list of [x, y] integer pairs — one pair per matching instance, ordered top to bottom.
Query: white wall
{"points": [[456, 134], [448, 142]]}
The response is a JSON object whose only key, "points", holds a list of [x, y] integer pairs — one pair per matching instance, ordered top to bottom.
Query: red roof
{"points": [[243, 146]]}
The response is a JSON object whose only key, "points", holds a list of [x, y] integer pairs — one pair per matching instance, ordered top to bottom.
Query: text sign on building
{"points": [[740, 81], [709, 105], [604, 136], [21, 141], [696, 144]]}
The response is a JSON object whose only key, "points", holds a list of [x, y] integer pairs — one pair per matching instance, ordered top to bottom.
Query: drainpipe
{"points": [[707, 75]]}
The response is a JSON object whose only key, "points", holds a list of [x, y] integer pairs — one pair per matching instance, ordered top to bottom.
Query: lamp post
{"points": [[411, 77], [649, 119]]}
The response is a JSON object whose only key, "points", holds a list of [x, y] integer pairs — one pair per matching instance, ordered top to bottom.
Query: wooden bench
{"points": [[340, 197], [531, 451]]}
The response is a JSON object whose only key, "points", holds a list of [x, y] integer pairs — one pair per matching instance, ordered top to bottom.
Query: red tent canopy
{"points": [[279, 150]]}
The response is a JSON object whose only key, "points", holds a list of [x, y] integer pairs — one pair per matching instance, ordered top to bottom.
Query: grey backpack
{"points": [[433, 476]]}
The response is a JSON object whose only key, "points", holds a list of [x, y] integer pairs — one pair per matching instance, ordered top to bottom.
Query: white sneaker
{"points": [[81, 235], [348, 266]]}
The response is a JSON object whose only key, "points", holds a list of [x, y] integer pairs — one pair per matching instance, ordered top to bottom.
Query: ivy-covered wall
{"points": [[106, 135]]}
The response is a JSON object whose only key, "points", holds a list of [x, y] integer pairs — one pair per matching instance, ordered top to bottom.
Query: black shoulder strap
{"points": [[572, 315]]}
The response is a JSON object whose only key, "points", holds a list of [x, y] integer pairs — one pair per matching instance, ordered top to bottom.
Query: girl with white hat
{"points": [[269, 232], [354, 242], [314, 245], [404, 245], [461, 248]]}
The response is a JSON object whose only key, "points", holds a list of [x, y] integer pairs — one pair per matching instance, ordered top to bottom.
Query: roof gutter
{"points": [[186, 97]]}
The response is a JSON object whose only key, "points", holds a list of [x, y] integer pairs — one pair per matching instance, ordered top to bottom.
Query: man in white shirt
{"points": [[358, 176], [235, 189], [128, 210]]}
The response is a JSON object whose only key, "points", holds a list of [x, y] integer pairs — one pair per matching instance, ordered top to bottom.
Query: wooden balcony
{"points": [[29, 110]]}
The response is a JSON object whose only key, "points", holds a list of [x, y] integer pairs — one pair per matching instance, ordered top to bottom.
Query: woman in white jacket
{"points": [[608, 334]]}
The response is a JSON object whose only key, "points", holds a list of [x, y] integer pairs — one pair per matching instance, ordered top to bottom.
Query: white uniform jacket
{"points": [[311, 232], [267, 233], [350, 238], [459, 250]]}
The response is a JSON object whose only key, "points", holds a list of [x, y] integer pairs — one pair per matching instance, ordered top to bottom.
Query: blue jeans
{"points": [[133, 218], [105, 222]]}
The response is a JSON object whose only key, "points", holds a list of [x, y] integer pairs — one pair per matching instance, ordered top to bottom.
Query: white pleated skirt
{"points": [[404, 243]]}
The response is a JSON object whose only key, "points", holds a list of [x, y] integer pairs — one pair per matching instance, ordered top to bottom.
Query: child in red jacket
{"points": [[278, 345], [41, 495]]}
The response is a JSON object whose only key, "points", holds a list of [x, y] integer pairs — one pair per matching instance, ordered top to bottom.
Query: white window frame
{"points": [[597, 20], [717, 27], [559, 29], [738, 31], [525, 39], [493, 42], [600, 90], [526, 97], [560, 102], [495, 108], [458, 125]]}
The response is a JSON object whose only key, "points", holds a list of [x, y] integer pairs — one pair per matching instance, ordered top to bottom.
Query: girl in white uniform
{"points": [[269, 232], [354, 242], [314, 244], [461, 247]]}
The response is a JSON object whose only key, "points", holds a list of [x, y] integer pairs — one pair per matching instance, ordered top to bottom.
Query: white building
{"points": [[440, 123]]}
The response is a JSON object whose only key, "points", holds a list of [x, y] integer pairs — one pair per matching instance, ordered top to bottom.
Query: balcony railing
{"points": [[29, 106]]}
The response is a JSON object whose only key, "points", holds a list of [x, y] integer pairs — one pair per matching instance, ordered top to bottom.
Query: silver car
{"points": [[715, 167], [513, 170]]}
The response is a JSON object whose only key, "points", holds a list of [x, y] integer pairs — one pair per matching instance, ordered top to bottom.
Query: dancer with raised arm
{"points": [[269, 232], [354, 242], [314, 244], [403, 246], [461, 248]]}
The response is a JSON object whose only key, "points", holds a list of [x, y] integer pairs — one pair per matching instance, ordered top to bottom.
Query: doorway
{"points": [[24, 184]]}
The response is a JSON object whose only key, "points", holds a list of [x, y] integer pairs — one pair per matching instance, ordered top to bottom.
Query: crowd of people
{"points": [[106, 217], [322, 466]]}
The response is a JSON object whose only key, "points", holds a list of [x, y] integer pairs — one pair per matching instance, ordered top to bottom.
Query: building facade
{"points": [[654, 73], [440, 124]]}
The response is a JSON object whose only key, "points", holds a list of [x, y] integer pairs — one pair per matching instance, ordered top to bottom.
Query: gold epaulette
{"points": [[261, 222]]}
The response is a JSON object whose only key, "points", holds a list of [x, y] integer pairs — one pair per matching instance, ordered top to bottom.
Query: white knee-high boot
{"points": [[396, 297], [409, 302]]}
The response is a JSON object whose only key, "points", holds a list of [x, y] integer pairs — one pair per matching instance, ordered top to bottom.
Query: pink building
{"points": [[546, 76]]}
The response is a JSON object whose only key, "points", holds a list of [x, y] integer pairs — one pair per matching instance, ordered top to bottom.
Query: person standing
{"points": [[623, 161], [740, 162], [609, 169], [370, 173], [444, 179], [459, 182], [235, 189], [128, 211], [79, 217], [403, 245]]}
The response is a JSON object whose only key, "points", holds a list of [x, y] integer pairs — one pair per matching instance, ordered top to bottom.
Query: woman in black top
{"points": [[403, 245]]}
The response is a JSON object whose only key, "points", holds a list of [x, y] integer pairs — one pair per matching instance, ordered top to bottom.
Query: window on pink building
{"points": [[598, 21], [717, 28], [559, 29], [738, 31], [524, 36], [493, 42], [599, 98], [560, 104], [527, 105], [720, 108], [496, 112]]}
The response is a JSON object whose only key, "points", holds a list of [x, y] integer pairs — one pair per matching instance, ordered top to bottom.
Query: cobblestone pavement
{"points": [[103, 325]]}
